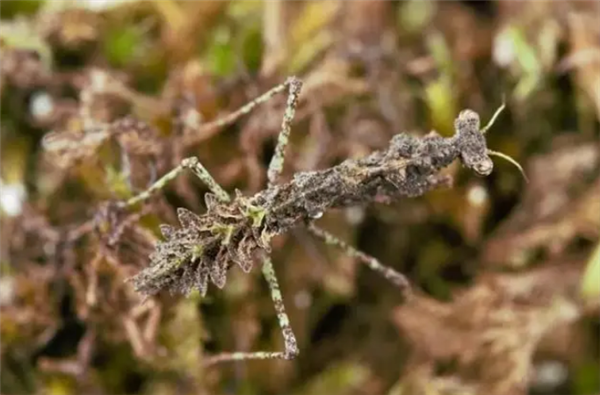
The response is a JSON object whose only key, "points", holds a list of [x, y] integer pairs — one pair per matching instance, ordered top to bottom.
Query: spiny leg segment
{"points": [[392, 275], [291, 346]]}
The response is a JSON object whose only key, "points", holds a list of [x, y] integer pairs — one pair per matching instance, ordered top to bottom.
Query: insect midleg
{"points": [[192, 164], [276, 165], [392, 275], [289, 339]]}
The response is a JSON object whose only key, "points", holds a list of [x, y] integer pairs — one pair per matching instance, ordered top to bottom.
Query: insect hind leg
{"points": [[289, 339]]}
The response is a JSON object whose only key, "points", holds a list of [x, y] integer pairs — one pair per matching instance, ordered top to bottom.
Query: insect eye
{"points": [[484, 167]]}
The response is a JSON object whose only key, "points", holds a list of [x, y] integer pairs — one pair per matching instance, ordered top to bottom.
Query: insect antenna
{"points": [[494, 117], [500, 154], [511, 160]]}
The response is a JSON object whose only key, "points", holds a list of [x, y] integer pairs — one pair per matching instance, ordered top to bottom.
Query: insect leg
{"points": [[211, 127], [192, 164], [276, 165], [389, 273], [289, 339]]}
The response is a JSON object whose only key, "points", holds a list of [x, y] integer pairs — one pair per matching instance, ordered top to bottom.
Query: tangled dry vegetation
{"points": [[99, 102]]}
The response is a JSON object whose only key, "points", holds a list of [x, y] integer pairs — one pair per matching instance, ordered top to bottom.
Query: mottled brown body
{"points": [[234, 232]]}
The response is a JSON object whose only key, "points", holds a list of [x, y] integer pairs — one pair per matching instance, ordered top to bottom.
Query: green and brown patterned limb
{"points": [[211, 127], [192, 164], [276, 166], [392, 275], [289, 339]]}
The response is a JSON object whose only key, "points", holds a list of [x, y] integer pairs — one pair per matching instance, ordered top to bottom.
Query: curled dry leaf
{"points": [[492, 329]]}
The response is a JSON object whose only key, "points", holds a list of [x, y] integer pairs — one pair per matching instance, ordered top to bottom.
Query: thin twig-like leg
{"points": [[210, 127], [192, 164], [276, 165], [433, 182], [389, 273], [291, 346]]}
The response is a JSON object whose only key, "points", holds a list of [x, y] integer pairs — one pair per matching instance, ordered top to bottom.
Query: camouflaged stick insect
{"points": [[239, 230]]}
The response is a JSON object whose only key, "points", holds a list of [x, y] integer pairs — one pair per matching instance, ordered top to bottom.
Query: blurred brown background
{"points": [[507, 273]]}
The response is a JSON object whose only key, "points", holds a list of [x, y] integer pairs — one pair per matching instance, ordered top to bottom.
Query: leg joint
{"points": [[190, 162], [291, 354]]}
